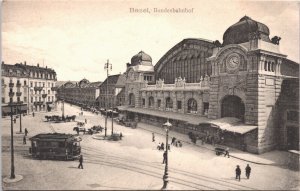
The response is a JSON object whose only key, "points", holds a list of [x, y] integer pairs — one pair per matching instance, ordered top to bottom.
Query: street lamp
{"points": [[107, 67], [167, 126], [12, 170]]}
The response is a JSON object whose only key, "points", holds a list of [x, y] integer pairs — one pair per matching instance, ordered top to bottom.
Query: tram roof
{"points": [[53, 136]]}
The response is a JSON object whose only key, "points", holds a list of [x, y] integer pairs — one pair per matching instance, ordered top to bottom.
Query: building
{"points": [[32, 85], [111, 92], [243, 92], [83, 93]]}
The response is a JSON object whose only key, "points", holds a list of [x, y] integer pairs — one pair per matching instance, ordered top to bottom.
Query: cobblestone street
{"points": [[132, 163]]}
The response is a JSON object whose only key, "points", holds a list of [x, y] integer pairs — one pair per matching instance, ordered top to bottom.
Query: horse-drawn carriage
{"points": [[57, 118], [95, 129]]}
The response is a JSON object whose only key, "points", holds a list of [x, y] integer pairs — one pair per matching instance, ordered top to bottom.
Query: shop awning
{"points": [[6, 109], [232, 124]]}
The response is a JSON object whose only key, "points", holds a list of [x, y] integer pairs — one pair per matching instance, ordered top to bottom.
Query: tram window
{"points": [[61, 144]]}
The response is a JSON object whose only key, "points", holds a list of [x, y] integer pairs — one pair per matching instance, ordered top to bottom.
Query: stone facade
{"points": [[242, 78], [32, 85], [82, 93]]}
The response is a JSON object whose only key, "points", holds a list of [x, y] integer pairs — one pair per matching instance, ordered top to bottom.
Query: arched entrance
{"points": [[233, 106]]}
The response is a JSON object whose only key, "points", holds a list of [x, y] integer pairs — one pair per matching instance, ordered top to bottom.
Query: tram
{"points": [[55, 146]]}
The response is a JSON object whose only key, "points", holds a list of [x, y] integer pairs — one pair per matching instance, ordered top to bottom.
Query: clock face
{"points": [[233, 62]]}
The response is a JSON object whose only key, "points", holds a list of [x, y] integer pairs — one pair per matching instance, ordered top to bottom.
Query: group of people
{"points": [[161, 146], [238, 172]]}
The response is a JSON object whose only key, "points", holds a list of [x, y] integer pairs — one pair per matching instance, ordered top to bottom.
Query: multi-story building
{"points": [[32, 85], [244, 90], [82, 93], [111, 94]]}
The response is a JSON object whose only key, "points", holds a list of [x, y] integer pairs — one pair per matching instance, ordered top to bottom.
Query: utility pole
{"points": [[107, 67]]}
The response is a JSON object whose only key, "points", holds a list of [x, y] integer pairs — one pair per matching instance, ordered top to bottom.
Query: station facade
{"points": [[243, 92]]}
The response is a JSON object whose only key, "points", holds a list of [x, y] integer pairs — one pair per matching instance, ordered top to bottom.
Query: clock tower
{"points": [[246, 80]]}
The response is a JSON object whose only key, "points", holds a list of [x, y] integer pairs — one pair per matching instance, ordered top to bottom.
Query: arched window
{"points": [[266, 66], [131, 100], [151, 102], [169, 104], [192, 106]]}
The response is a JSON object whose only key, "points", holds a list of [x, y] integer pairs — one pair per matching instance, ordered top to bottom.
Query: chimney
{"points": [[2, 62], [25, 63], [38, 65]]}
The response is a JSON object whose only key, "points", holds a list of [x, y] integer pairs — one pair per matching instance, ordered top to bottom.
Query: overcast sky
{"points": [[77, 37]]}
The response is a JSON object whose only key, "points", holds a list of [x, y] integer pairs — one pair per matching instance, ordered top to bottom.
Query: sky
{"points": [[76, 38]]}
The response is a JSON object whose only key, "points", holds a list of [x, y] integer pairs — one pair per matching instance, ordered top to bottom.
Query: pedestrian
{"points": [[32, 114], [15, 120], [85, 121], [77, 130], [26, 131], [121, 136], [153, 137], [24, 140], [173, 141], [158, 146], [162, 146], [226, 152], [165, 157], [80, 162], [248, 171], [238, 173]]}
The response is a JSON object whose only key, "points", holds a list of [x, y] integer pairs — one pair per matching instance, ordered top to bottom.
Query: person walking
{"points": [[32, 114], [85, 121], [26, 131], [153, 137], [24, 140], [173, 141], [226, 152], [165, 157], [80, 162], [248, 171], [238, 173]]}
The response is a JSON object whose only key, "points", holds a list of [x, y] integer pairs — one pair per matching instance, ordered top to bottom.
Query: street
{"points": [[131, 163]]}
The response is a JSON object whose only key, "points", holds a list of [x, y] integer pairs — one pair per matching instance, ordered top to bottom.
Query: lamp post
{"points": [[107, 67], [20, 118], [167, 126], [12, 169]]}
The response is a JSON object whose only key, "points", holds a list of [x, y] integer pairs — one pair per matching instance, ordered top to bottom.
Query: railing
{"points": [[11, 84], [203, 85], [38, 88], [19, 93], [11, 94], [38, 103]]}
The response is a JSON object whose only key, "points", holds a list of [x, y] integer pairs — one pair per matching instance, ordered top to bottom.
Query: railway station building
{"points": [[243, 92]]}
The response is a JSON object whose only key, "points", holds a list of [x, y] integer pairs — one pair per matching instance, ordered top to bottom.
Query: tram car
{"points": [[55, 146]]}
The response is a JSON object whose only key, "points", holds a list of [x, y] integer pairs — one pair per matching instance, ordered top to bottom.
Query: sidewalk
{"points": [[275, 158]]}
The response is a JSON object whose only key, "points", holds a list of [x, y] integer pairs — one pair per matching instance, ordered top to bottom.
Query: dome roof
{"points": [[239, 32], [141, 59]]}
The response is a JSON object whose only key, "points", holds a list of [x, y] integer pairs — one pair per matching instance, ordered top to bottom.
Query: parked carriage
{"points": [[55, 146]]}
